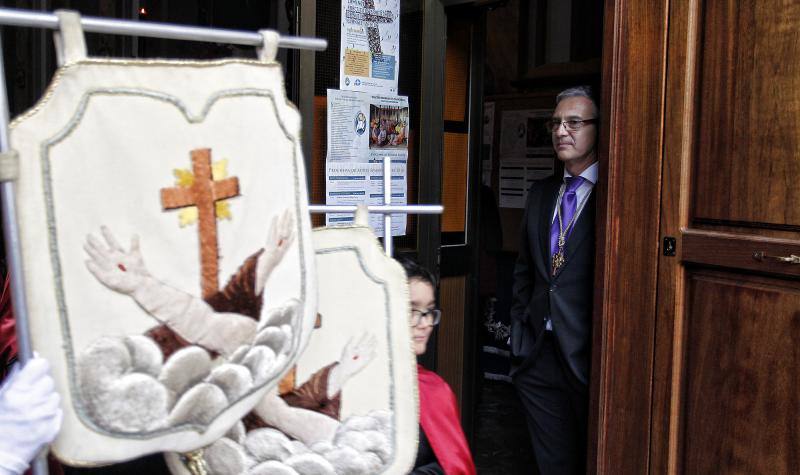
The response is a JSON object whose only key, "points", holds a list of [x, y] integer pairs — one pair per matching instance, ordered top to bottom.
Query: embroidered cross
{"points": [[204, 193]]}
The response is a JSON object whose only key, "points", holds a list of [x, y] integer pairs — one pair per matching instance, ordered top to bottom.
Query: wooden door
{"points": [[697, 354], [726, 397]]}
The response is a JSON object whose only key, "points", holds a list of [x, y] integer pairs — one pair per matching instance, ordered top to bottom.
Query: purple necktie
{"points": [[568, 208]]}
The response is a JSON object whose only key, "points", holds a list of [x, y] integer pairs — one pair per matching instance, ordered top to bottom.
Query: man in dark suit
{"points": [[551, 313]]}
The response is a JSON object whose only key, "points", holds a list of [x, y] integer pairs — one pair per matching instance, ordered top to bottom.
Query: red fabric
{"points": [[8, 334], [8, 354], [440, 419]]}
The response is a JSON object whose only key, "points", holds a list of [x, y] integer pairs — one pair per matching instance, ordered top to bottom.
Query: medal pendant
{"points": [[558, 261]]}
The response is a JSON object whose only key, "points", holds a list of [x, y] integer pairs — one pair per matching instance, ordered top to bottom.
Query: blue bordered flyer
{"points": [[370, 46]]}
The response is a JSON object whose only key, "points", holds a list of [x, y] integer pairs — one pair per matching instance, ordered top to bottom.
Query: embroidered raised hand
{"points": [[279, 238], [118, 269], [189, 316], [356, 354]]}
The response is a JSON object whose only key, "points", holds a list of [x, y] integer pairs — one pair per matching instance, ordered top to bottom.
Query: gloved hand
{"points": [[30, 415]]}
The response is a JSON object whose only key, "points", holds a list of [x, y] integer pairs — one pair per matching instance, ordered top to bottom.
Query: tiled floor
{"points": [[501, 444]]}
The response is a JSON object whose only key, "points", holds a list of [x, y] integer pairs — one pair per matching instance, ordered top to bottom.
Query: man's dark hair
{"points": [[414, 270]]}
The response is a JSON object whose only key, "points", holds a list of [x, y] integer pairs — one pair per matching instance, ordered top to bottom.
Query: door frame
{"points": [[434, 37], [628, 235], [431, 252], [624, 317]]}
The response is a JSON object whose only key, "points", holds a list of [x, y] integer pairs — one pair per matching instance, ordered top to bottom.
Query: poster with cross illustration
{"points": [[369, 59], [166, 247]]}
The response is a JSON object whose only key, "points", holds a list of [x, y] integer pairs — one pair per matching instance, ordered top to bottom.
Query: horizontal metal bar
{"points": [[17, 17], [379, 209]]}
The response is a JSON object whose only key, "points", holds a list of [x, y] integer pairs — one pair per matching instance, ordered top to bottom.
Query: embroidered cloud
{"points": [[126, 386], [362, 445]]}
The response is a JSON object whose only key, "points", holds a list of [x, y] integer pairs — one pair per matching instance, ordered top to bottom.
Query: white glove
{"points": [[30, 415]]}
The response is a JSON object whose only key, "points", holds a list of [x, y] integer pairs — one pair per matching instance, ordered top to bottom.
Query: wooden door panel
{"points": [[749, 113], [724, 156], [740, 251], [728, 314], [450, 334], [742, 362]]}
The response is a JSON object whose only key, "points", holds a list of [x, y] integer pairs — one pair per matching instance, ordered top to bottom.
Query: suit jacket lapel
{"points": [[548, 206], [583, 227]]}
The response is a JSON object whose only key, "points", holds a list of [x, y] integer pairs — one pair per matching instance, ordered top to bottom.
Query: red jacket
{"points": [[8, 336], [440, 419]]}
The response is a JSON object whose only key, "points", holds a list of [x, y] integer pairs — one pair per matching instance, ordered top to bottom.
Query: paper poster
{"points": [[370, 46], [348, 126], [367, 127], [363, 129], [524, 133], [488, 140], [526, 153], [517, 175], [356, 183]]}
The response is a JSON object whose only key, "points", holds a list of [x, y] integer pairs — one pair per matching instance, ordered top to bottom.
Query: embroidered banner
{"points": [[166, 248]]}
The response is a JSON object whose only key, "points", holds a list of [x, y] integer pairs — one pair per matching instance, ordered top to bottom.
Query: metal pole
{"points": [[17, 17], [387, 201], [378, 209], [14, 254]]}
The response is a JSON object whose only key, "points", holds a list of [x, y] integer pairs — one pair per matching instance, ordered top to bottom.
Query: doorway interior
{"points": [[504, 64]]}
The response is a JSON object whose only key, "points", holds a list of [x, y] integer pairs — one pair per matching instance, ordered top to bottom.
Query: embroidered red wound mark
{"points": [[280, 242], [122, 267], [355, 357]]}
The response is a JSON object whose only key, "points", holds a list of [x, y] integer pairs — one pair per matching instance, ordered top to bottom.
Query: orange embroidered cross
{"points": [[203, 192]]}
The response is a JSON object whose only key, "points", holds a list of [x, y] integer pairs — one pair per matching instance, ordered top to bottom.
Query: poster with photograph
{"points": [[370, 46], [388, 125], [367, 127], [362, 130], [524, 133], [526, 153]]}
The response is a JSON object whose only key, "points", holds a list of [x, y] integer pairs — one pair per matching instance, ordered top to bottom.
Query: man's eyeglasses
{"points": [[571, 125], [433, 315]]}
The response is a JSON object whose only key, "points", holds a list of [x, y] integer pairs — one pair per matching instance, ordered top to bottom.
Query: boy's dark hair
{"points": [[414, 270]]}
